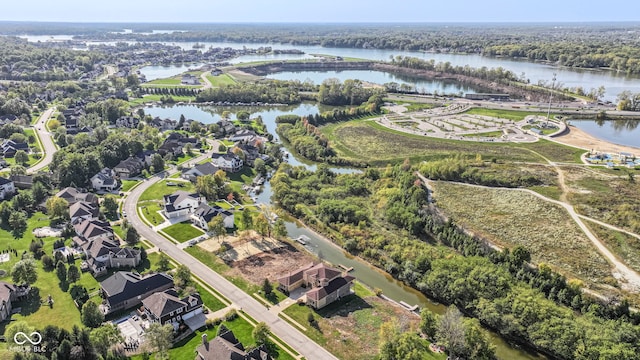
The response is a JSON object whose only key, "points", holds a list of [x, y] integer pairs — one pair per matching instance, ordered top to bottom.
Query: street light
{"points": [[553, 83]]}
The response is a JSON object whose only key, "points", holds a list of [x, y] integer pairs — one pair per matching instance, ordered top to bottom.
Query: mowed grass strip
{"points": [[509, 218], [183, 231]]}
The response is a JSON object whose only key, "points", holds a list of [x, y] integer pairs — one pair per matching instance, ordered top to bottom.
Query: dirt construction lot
{"points": [[270, 264]]}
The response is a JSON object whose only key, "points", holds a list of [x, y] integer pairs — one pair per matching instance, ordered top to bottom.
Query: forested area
{"points": [[271, 92], [383, 216]]}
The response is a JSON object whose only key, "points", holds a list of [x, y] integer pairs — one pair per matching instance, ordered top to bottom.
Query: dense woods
{"points": [[382, 215]]}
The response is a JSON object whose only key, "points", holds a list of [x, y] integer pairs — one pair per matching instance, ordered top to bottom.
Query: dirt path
{"points": [[621, 270]]}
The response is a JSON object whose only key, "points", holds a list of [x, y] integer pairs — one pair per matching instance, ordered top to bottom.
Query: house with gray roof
{"points": [[129, 167], [200, 170], [105, 180], [7, 188], [73, 195], [181, 204], [83, 210], [203, 214], [124, 290], [10, 293], [168, 308], [226, 346]]}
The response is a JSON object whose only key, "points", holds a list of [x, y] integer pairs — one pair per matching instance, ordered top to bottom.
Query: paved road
{"points": [[46, 139], [300, 342]]}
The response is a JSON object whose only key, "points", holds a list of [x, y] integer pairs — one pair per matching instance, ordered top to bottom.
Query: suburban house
{"points": [[216, 72], [188, 79], [127, 122], [163, 124], [226, 127], [243, 135], [172, 147], [10, 148], [251, 153], [145, 156], [228, 162], [129, 167], [200, 170], [105, 180], [22, 181], [7, 188], [73, 195], [181, 203], [83, 210], [204, 213], [94, 230], [103, 254], [325, 284], [124, 290], [10, 293], [168, 308], [226, 346]]}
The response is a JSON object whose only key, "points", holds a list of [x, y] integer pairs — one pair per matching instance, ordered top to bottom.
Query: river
{"points": [[318, 245]]}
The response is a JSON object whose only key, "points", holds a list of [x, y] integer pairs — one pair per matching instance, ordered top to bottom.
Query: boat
{"points": [[302, 239]]}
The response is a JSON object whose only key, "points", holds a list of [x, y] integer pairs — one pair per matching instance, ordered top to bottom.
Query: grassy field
{"points": [[221, 80], [154, 98], [512, 115], [494, 134], [378, 145], [128, 184], [160, 189], [601, 195], [149, 209], [510, 218], [183, 232], [624, 246], [350, 328]]}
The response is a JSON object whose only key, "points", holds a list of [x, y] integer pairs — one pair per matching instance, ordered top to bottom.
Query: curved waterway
{"points": [[319, 245]]}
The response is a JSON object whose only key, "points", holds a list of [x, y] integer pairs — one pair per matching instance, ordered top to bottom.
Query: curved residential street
{"points": [[48, 146], [286, 332]]}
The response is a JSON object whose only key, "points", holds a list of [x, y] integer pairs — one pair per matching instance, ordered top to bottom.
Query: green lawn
{"points": [[221, 80], [166, 81], [513, 115], [128, 184], [160, 189], [149, 210], [183, 232], [209, 300]]}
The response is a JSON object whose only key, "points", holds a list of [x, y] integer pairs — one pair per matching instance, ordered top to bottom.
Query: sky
{"points": [[213, 11]]}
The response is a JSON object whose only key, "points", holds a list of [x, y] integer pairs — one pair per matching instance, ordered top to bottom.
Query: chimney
{"points": [[204, 339]]}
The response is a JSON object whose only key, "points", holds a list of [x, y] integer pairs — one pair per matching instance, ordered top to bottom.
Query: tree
{"points": [[243, 115], [222, 148], [188, 149], [21, 157], [157, 162], [259, 165], [18, 170], [206, 186], [39, 192], [22, 201], [110, 207], [57, 208], [246, 219], [18, 223], [262, 225], [216, 226], [279, 229], [132, 237], [47, 262], [163, 262], [61, 271], [24, 272], [73, 274], [182, 276], [267, 288], [92, 316], [428, 323], [16, 327], [451, 331], [261, 333], [105, 337], [159, 337], [407, 346]]}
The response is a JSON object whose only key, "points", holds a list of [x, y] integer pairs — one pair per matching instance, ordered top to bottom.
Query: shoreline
{"points": [[581, 139]]}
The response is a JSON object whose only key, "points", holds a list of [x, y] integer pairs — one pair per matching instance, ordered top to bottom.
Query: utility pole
{"points": [[553, 84]]}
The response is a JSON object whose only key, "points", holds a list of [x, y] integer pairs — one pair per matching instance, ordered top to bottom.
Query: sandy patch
{"points": [[578, 138], [242, 246]]}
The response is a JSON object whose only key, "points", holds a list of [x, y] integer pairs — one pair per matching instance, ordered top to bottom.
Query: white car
{"points": [[124, 213]]}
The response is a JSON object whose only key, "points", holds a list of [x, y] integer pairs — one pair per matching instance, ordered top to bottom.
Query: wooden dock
{"points": [[302, 239], [347, 269], [409, 307]]}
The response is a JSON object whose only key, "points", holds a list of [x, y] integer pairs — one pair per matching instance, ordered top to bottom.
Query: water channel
{"points": [[318, 245]]}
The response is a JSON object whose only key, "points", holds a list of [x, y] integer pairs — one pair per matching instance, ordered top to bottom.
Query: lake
{"points": [[161, 72], [622, 132]]}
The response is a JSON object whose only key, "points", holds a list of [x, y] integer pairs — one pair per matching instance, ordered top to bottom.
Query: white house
{"points": [[188, 79], [228, 162], [105, 180], [7, 188], [181, 203], [204, 213]]}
